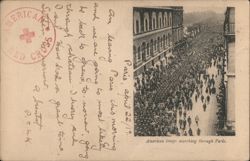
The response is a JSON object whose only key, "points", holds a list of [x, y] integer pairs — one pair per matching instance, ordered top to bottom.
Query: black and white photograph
{"points": [[184, 71]]}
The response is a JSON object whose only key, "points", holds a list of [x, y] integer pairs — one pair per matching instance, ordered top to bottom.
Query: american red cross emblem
{"points": [[27, 36]]}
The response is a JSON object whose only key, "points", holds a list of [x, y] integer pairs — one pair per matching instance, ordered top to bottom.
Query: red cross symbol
{"points": [[27, 35]]}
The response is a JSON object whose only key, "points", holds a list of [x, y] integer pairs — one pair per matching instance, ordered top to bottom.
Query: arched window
{"points": [[160, 19], [165, 19], [170, 19], [146, 20], [153, 21], [160, 22], [137, 23], [137, 27], [178, 34], [164, 37], [169, 39], [161, 42], [158, 43], [155, 45], [151, 47], [147, 49], [143, 51], [134, 53], [139, 53]]}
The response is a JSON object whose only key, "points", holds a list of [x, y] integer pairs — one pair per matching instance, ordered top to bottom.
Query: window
{"points": [[165, 19], [159, 20], [168, 20], [146, 21], [153, 22], [137, 23], [160, 23], [157, 25], [137, 26], [154, 27], [164, 37], [167, 40], [161, 42], [158, 44], [155, 45], [151, 47], [147, 49], [143, 51], [134, 53], [139, 53]]}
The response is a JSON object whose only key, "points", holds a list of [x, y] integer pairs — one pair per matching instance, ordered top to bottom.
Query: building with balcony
{"points": [[152, 37], [229, 77]]}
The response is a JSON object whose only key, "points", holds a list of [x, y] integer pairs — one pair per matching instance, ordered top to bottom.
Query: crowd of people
{"points": [[164, 95]]}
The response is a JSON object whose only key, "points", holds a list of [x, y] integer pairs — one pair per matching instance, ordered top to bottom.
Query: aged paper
{"points": [[124, 80]]}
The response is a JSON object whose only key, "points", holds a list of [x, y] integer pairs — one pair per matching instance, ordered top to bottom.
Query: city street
{"points": [[178, 86], [185, 96], [207, 119]]}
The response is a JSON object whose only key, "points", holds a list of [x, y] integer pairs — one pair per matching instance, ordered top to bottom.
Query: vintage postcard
{"points": [[124, 80]]}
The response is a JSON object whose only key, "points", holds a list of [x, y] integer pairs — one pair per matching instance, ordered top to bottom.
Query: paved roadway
{"points": [[198, 46], [207, 119]]}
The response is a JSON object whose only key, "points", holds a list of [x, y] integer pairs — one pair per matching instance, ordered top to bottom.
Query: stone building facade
{"points": [[229, 34], [153, 35]]}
